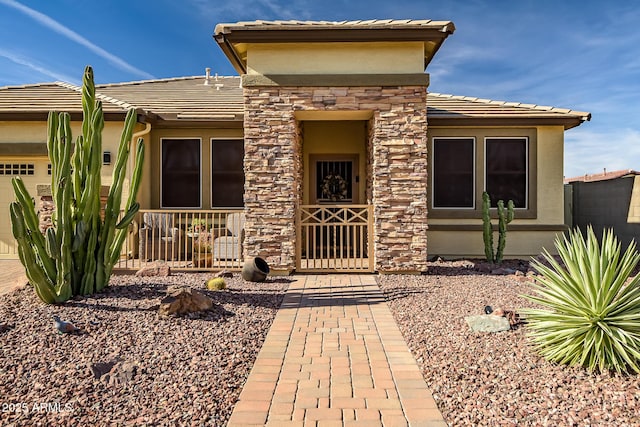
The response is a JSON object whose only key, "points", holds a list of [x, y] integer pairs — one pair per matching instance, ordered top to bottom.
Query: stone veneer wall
{"points": [[273, 169]]}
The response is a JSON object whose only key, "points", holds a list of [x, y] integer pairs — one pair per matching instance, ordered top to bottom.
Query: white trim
{"points": [[218, 138], [433, 165], [526, 166], [162, 206]]}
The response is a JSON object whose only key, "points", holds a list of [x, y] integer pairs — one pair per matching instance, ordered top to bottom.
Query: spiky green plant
{"points": [[505, 216], [77, 254], [592, 306]]}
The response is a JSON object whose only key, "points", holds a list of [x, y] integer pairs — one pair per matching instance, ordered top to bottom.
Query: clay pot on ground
{"points": [[255, 270]]}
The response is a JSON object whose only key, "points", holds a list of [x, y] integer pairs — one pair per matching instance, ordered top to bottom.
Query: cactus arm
{"points": [[510, 211], [28, 213], [505, 216], [487, 232], [502, 232], [114, 238], [35, 273]]}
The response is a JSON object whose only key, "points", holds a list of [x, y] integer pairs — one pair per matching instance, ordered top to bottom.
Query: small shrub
{"points": [[216, 284], [592, 315]]}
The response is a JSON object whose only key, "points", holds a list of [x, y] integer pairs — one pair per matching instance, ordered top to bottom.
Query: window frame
{"points": [[480, 133], [211, 142], [200, 172], [475, 172], [527, 191]]}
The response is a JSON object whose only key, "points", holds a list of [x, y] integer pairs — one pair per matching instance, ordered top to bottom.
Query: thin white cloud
{"points": [[243, 9], [72, 35], [33, 65], [588, 152]]}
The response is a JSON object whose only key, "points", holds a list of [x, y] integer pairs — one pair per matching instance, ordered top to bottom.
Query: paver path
{"points": [[334, 356]]}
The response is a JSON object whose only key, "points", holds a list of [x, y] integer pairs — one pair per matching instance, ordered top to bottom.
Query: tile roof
{"points": [[358, 24], [44, 97], [186, 98], [189, 99], [451, 106], [604, 176]]}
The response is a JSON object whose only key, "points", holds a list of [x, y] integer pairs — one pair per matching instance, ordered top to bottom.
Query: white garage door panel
{"points": [[9, 167]]}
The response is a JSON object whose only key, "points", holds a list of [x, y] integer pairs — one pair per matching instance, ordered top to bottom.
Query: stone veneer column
{"points": [[273, 169], [400, 181]]}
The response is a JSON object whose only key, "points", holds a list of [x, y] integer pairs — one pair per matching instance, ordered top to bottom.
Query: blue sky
{"points": [[583, 55]]}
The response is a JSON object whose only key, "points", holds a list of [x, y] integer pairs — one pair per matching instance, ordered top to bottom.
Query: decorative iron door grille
{"points": [[334, 180], [334, 238]]}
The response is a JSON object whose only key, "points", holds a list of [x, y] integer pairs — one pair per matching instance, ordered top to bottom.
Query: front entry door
{"points": [[334, 180]]}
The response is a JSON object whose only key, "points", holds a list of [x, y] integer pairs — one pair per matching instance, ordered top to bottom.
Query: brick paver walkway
{"points": [[334, 356]]}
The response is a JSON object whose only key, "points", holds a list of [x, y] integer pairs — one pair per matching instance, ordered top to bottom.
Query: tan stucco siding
{"points": [[335, 58], [17, 132], [334, 138], [154, 157], [550, 175], [546, 185], [461, 244]]}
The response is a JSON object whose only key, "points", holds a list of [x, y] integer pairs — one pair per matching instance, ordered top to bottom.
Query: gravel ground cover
{"points": [[128, 365], [481, 379]]}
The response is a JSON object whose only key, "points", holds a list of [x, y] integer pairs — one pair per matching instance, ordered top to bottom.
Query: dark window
{"points": [[506, 169], [181, 173], [227, 173], [453, 176]]}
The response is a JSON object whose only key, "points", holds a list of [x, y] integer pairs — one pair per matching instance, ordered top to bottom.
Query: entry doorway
{"points": [[334, 179]]}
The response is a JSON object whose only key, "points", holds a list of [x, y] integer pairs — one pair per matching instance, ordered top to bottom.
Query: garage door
{"points": [[33, 171]]}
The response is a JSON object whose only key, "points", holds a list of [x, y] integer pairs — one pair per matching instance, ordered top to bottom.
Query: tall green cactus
{"points": [[504, 218], [77, 255]]}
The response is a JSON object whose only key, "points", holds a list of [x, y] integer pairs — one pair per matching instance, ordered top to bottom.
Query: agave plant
{"points": [[592, 315]]}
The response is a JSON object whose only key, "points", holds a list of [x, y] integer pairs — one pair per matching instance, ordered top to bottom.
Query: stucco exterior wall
{"points": [[335, 58], [16, 132], [333, 137], [526, 236]]}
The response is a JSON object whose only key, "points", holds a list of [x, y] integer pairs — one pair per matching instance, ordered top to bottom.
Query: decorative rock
{"points": [[158, 268], [224, 273], [216, 284], [183, 300], [488, 323], [121, 373]]}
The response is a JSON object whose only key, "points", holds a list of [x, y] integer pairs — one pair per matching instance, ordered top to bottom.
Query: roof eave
{"points": [[227, 36], [461, 120]]}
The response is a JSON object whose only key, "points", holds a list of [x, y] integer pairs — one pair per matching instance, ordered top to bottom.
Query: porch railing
{"points": [[334, 238], [186, 240]]}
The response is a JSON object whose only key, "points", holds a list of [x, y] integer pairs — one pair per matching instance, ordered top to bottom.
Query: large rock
{"points": [[160, 269], [183, 300], [488, 323]]}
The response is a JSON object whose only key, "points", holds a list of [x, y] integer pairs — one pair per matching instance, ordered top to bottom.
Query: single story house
{"points": [[328, 143]]}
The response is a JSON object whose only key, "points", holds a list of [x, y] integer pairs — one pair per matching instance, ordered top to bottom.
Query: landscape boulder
{"points": [[158, 269], [184, 300], [488, 323]]}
